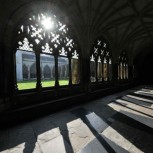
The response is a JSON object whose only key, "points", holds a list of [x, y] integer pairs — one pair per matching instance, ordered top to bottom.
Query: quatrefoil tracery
{"points": [[59, 38]]}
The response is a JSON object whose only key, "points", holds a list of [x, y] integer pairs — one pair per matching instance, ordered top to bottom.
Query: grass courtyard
{"points": [[45, 83]]}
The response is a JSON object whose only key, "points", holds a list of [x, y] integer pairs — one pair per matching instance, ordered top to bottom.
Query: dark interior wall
{"points": [[85, 34], [144, 65], [1, 72]]}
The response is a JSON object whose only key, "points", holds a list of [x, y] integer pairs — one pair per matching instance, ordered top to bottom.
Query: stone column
{"points": [[102, 65], [56, 71], [70, 71], [108, 79], [38, 85]]}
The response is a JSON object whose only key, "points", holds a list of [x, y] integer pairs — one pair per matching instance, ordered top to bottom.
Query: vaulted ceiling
{"points": [[126, 24]]}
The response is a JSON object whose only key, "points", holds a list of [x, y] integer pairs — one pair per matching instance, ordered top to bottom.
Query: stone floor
{"points": [[121, 123]]}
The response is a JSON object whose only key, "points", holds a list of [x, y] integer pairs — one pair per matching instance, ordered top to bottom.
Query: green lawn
{"points": [[32, 84]]}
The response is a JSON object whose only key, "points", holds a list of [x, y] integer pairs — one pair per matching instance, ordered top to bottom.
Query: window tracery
{"points": [[51, 43], [100, 62], [123, 66]]}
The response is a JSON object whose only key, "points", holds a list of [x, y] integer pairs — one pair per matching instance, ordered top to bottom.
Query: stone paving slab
{"points": [[147, 90], [144, 93], [128, 98], [140, 98], [135, 107], [133, 114], [97, 123], [97, 127], [44, 131], [79, 134], [22, 139], [120, 141], [55, 145], [93, 146]]}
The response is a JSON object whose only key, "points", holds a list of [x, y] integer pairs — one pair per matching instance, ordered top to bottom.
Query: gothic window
{"points": [[50, 49], [25, 58], [100, 62], [47, 63], [123, 66], [63, 70]]}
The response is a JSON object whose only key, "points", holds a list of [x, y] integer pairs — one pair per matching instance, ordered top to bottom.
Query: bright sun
{"points": [[48, 23]]}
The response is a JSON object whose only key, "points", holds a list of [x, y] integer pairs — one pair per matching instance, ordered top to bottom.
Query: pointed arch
{"points": [[54, 44], [100, 61], [25, 72], [47, 72]]}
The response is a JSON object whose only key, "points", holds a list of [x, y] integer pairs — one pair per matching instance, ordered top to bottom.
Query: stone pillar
{"points": [[102, 64], [96, 65], [19, 66], [118, 68], [121, 70], [56, 71], [70, 71], [110, 71], [116, 71], [124, 71], [1, 72], [130, 73], [85, 74], [127, 75], [108, 78], [38, 85]]}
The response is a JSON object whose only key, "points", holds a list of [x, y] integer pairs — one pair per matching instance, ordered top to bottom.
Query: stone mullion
{"points": [[102, 62], [96, 64], [104, 68], [56, 71], [70, 71], [118, 71], [123, 71], [126, 71], [15, 76], [108, 79], [38, 85]]}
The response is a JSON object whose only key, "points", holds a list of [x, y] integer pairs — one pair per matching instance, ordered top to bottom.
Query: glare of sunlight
{"points": [[48, 23]]}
